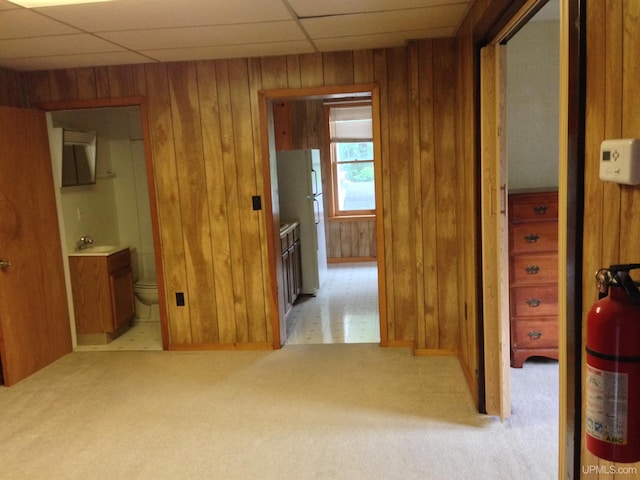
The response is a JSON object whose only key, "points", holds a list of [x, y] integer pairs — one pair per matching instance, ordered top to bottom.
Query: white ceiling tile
{"points": [[314, 8], [143, 14], [22, 23], [372, 23], [134, 31], [207, 36], [382, 40], [55, 45], [231, 51], [74, 61]]}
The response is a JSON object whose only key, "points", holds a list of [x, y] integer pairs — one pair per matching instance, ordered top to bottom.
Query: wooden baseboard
{"points": [[351, 259], [399, 344], [219, 346], [436, 352]]}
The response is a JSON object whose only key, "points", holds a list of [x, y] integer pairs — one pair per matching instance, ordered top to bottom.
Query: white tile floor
{"points": [[344, 311], [141, 336]]}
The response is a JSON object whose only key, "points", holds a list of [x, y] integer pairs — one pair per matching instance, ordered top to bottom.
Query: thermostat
{"points": [[620, 161]]}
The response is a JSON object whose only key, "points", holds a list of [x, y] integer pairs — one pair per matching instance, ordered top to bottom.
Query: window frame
{"points": [[333, 201]]}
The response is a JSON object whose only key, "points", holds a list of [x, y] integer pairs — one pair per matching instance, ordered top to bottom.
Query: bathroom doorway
{"points": [[114, 209]]}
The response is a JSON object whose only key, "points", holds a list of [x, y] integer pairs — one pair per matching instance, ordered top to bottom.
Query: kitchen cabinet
{"points": [[291, 264], [533, 275], [103, 297]]}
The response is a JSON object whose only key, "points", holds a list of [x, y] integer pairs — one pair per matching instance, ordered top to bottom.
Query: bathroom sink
{"points": [[97, 250]]}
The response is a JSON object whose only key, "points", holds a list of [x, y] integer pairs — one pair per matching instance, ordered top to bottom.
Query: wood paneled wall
{"points": [[10, 88], [204, 122], [467, 173], [611, 211]]}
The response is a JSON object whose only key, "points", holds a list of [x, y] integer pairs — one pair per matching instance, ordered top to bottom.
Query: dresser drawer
{"points": [[532, 207], [534, 237], [534, 269], [534, 301], [535, 333]]}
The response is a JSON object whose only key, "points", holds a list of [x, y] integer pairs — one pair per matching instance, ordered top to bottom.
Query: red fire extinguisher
{"points": [[613, 368]]}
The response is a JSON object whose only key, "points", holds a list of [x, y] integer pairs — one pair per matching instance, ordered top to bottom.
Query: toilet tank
{"points": [[134, 264]]}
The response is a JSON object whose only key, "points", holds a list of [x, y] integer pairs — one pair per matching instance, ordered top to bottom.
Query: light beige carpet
{"points": [[304, 412]]}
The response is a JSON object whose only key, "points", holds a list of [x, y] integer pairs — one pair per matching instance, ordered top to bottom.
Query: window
{"points": [[351, 147]]}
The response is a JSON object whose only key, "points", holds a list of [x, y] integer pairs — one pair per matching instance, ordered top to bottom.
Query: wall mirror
{"points": [[78, 158]]}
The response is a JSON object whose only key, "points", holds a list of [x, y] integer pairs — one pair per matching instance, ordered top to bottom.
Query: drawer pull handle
{"points": [[540, 209], [532, 238], [532, 269], [534, 302], [535, 334]]}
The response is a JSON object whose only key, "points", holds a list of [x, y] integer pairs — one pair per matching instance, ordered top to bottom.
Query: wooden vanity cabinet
{"points": [[533, 275], [103, 297]]}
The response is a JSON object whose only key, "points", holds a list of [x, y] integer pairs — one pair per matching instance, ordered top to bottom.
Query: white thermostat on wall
{"points": [[620, 161]]}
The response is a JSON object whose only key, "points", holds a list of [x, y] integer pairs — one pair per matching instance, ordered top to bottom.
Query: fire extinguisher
{"points": [[613, 368]]}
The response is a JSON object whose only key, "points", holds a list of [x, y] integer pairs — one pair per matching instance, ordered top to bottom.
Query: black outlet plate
{"points": [[180, 299]]}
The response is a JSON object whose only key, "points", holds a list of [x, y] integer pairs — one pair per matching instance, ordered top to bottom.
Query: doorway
{"points": [[114, 209], [497, 261], [328, 328]]}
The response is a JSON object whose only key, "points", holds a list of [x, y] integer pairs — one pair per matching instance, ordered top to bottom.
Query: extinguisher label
{"points": [[606, 405]]}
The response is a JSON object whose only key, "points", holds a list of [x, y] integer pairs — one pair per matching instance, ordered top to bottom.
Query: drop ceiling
{"points": [[143, 31], [118, 32]]}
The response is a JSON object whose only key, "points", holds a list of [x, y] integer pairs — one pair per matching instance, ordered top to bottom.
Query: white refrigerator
{"points": [[300, 193]]}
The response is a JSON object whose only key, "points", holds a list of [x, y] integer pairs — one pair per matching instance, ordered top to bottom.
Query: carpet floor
{"points": [[303, 412]]}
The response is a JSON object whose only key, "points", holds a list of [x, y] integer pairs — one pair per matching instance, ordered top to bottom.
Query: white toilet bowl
{"points": [[147, 300]]}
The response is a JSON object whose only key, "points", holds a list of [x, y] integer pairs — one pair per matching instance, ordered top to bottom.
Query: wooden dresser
{"points": [[533, 275]]}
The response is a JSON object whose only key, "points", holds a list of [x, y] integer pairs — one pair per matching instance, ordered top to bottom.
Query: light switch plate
{"points": [[620, 161]]}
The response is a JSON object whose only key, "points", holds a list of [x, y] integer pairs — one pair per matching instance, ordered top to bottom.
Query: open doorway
{"points": [[533, 115], [520, 217], [108, 222], [346, 309]]}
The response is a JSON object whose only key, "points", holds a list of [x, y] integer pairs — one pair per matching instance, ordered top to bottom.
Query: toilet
{"points": [[145, 288], [146, 292]]}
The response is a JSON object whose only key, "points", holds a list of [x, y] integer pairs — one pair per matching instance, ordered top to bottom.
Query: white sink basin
{"points": [[97, 250]]}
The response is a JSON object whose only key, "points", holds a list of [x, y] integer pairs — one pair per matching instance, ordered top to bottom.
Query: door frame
{"points": [[141, 103], [571, 194], [272, 215], [495, 269]]}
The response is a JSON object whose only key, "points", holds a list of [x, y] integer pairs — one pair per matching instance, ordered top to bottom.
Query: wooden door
{"points": [[495, 272], [34, 316]]}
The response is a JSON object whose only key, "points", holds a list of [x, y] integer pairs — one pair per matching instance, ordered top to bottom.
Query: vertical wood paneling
{"points": [[363, 66], [338, 68], [311, 70], [86, 78], [121, 81], [63, 84], [38, 87], [10, 88], [103, 89], [207, 158], [247, 187], [192, 191], [446, 194], [426, 197], [168, 200], [216, 201], [233, 205], [612, 214], [402, 234], [261, 332]]}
